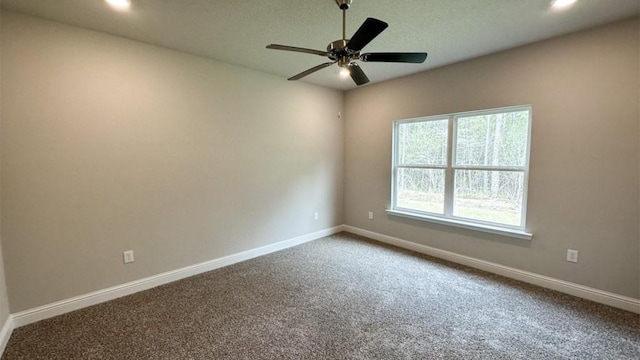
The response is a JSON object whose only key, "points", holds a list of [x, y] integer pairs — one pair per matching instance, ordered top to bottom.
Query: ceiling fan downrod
{"points": [[344, 6], [344, 24], [343, 59]]}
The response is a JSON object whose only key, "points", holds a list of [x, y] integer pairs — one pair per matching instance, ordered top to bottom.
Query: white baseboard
{"points": [[585, 292], [75, 303], [64, 306], [5, 333]]}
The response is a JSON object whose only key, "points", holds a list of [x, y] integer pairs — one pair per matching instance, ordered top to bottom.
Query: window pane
{"points": [[492, 140], [423, 142], [421, 189], [493, 196]]}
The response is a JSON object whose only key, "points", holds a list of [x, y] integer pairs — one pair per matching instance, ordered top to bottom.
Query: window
{"points": [[467, 169]]}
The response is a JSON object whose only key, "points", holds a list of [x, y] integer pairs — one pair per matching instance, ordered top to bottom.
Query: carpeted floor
{"points": [[341, 297]]}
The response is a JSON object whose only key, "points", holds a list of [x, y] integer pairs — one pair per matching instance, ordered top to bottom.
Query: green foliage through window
{"points": [[471, 166]]}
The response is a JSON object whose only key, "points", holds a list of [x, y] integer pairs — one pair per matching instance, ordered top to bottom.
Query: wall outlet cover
{"points": [[128, 256]]}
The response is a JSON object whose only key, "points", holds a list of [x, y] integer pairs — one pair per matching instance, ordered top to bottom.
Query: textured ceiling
{"points": [[237, 31]]}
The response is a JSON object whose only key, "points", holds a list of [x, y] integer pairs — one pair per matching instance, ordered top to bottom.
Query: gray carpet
{"points": [[342, 297]]}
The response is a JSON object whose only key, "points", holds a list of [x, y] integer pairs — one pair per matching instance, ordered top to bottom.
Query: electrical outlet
{"points": [[315, 215], [370, 215], [572, 255], [128, 256]]}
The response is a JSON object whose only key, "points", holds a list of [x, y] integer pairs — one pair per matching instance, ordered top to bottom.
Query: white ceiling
{"points": [[237, 31]]}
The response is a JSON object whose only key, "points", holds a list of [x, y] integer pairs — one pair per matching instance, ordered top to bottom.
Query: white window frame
{"points": [[448, 218]]}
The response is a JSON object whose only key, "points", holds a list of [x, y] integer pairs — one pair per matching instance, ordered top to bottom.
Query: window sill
{"points": [[518, 234]]}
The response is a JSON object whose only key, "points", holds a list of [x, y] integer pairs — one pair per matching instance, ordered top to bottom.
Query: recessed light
{"points": [[562, 3], [120, 4]]}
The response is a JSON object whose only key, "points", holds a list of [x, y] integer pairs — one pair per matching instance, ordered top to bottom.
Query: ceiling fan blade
{"points": [[367, 32], [296, 49], [415, 58], [311, 71], [357, 74]]}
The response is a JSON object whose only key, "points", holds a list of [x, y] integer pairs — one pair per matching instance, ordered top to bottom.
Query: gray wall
{"points": [[110, 144], [585, 154], [4, 300]]}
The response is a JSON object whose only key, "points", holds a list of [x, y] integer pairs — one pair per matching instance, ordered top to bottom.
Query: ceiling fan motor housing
{"points": [[343, 4], [337, 51]]}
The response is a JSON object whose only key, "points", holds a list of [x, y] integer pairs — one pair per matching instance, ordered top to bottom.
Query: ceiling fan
{"points": [[345, 51]]}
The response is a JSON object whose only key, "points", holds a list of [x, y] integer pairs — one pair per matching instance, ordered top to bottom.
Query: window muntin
{"points": [[483, 178]]}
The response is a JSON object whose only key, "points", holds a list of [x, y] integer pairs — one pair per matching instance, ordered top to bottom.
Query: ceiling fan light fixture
{"points": [[560, 4], [344, 72]]}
